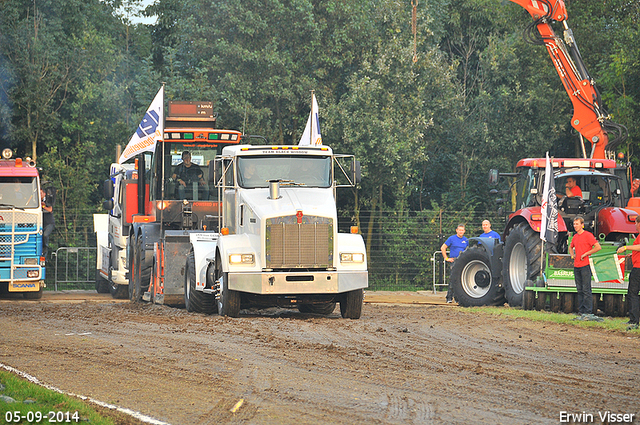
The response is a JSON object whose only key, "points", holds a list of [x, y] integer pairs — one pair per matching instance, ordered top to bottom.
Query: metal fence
{"points": [[402, 247], [75, 268]]}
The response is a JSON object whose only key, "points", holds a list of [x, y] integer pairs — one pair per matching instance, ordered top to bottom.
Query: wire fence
{"points": [[400, 249]]}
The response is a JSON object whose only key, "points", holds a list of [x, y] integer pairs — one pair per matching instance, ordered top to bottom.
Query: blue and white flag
{"points": [[149, 131], [312, 135], [549, 210]]}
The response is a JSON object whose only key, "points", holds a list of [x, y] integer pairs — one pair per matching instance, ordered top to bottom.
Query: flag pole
{"points": [[311, 132]]}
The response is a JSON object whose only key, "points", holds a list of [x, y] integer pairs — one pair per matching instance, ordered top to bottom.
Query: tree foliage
{"points": [[76, 76]]}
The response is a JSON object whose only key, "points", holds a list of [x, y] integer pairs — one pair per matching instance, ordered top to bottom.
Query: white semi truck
{"points": [[278, 243]]}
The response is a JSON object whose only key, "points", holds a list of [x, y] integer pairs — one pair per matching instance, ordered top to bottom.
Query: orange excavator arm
{"points": [[589, 117]]}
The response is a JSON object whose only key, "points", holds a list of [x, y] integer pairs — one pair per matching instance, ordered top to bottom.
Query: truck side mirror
{"points": [[357, 172], [493, 177], [107, 189], [108, 204]]}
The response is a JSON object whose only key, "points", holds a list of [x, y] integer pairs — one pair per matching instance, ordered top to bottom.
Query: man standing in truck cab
{"points": [[186, 174], [456, 244], [582, 246]]}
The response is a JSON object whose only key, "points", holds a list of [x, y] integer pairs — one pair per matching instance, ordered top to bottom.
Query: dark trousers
{"points": [[448, 266], [582, 276], [632, 295]]}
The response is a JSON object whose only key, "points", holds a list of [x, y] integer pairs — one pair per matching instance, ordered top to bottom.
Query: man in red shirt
{"points": [[572, 190], [582, 246], [634, 280]]}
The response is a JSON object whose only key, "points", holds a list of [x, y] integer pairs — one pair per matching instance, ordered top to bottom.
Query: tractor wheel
{"points": [[521, 262], [472, 282], [102, 284], [228, 300], [196, 301], [568, 301], [351, 304], [324, 309]]}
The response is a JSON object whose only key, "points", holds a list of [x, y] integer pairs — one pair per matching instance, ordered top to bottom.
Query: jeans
{"points": [[582, 276], [632, 295]]}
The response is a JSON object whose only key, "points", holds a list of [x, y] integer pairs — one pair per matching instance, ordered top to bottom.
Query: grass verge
{"points": [[612, 323], [36, 404]]}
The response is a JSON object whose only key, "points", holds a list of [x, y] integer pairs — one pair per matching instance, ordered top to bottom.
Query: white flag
{"points": [[149, 131], [312, 135], [549, 209]]}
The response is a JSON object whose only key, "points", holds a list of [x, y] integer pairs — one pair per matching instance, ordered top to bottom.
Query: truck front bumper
{"points": [[333, 282]]}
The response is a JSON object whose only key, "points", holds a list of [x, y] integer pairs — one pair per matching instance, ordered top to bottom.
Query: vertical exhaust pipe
{"points": [[274, 189]]}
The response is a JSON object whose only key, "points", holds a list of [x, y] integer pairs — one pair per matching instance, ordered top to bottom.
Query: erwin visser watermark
{"points": [[601, 416]]}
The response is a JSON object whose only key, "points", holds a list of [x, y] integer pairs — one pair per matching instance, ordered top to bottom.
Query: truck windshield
{"points": [[186, 170], [256, 171], [19, 192]]}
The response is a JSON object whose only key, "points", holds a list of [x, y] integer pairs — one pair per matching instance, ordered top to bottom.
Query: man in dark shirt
{"points": [[186, 175]]}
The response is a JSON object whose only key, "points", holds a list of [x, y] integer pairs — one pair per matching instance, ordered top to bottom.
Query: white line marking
{"points": [[137, 415]]}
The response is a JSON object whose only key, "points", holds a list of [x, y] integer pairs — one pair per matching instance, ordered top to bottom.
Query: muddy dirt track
{"points": [[398, 364]]}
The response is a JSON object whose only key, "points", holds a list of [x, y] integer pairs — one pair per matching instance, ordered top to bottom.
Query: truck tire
{"points": [[521, 262], [471, 279], [135, 281], [102, 284], [118, 292], [33, 295], [228, 300], [196, 301], [351, 304], [324, 309]]}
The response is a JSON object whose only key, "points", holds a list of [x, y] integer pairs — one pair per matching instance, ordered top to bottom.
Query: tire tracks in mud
{"points": [[397, 364]]}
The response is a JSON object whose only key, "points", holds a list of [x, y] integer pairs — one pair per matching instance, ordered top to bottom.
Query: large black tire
{"points": [[521, 262], [135, 281], [472, 281], [102, 284], [118, 292], [32, 295], [228, 300], [196, 301], [351, 304], [324, 309]]}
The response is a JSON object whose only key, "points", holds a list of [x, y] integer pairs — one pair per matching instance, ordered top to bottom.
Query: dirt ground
{"points": [[411, 358]]}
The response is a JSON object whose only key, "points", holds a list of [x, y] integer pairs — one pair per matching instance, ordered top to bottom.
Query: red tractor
{"points": [[491, 272]]}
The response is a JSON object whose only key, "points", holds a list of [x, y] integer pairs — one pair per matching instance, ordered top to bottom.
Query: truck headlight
{"points": [[352, 257], [241, 259], [31, 261], [33, 273]]}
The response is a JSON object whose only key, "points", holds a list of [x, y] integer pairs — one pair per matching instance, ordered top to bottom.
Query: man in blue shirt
{"points": [[488, 233], [456, 244]]}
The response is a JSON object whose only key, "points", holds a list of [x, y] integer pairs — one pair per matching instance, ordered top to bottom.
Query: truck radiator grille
{"points": [[18, 230], [308, 244]]}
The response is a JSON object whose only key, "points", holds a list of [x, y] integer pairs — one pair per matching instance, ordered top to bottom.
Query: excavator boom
{"points": [[589, 117]]}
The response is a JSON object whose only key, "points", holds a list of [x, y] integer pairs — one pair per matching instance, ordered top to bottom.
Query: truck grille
{"points": [[18, 230], [308, 244]]}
